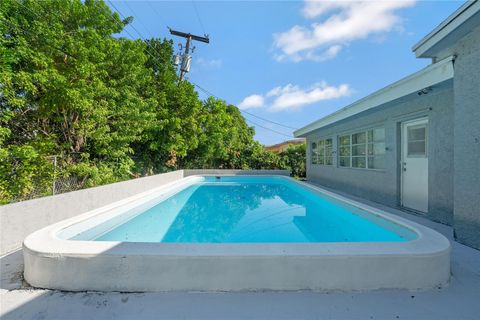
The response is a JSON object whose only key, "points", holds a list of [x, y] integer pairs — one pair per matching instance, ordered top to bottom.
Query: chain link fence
{"points": [[53, 179], [61, 182], [67, 184]]}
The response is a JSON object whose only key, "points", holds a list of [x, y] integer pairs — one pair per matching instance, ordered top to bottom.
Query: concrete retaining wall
{"points": [[18, 220]]}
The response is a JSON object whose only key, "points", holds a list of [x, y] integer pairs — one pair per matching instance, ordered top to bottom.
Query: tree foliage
{"points": [[110, 108], [295, 159]]}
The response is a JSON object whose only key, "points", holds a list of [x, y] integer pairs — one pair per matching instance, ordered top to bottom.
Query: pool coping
{"points": [[51, 262]]}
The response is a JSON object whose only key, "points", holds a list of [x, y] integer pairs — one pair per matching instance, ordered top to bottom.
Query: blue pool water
{"points": [[251, 209]]}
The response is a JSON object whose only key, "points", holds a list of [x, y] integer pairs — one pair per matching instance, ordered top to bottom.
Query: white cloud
{"points": [[346, 21], [328, 54], [213, 63], [274, 92], [292, 97], [253, 101]]}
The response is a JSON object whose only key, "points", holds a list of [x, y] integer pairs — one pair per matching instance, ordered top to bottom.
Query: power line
{"points": [[156, 12], [121, 15], [198, 16], [140, 21], [130, 24], [140, 35], [189, 38], [186, 58], [202, 89], [208, 93], [211, 94], [249, 113], [265, 119], [253, 122], [269, 129]]}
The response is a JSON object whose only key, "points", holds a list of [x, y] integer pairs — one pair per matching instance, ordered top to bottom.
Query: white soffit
{"points": [[429, 76]]}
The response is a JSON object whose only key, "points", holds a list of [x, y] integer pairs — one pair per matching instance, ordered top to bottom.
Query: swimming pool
{"points": [[247, 209], [230, 233]]}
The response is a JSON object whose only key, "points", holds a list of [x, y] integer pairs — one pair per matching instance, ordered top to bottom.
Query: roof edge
{"points": [[445, 28], [426, 77]]}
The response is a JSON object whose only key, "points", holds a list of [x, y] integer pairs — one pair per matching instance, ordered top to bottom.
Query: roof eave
{"points": [[457, 18], [427, 77]]}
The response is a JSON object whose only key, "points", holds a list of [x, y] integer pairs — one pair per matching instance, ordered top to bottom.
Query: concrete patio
{"points": [[459, 300]]}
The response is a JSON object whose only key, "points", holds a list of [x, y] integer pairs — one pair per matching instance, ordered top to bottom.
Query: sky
{"points": [[292, 62]]}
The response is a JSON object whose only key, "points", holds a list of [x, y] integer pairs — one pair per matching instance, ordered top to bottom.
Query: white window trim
{"points": [[316, 141], [351, 145], [311, 152], [425, 155]]}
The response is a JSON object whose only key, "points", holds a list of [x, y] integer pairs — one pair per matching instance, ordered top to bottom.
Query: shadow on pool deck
{"points": [[460, 300]]}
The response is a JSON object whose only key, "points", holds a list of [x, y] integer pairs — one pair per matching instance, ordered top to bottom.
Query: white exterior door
{"points": [[414, 165]]}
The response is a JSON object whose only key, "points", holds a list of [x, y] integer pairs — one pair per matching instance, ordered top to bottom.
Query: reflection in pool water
{"points": [[249, 210]]}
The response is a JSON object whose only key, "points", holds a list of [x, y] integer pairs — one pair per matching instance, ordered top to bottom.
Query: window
{"points": [[417, 142], [364, 149], [328, 151], [344, 151], [322, 152], [314, 153]]}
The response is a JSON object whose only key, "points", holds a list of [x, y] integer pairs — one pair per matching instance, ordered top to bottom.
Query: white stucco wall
{"points": [[467, 140]]}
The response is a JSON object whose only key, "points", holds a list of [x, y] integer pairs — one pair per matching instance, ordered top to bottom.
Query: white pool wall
{"points": [[144, 267]]}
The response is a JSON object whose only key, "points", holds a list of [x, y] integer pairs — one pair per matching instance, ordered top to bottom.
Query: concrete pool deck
{"points": [[458, 300]]}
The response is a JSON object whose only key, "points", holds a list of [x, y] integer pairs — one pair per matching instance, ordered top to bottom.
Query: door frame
{"points": [[420, 120]]}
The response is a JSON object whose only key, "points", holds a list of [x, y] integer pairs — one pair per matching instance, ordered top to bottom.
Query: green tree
{"points": [[72, 88], [109, 108], [175, 129], [224, 136], [257, 157], [294, 159]]}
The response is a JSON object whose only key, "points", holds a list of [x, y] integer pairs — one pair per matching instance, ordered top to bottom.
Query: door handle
{"points": [[404, 166]]}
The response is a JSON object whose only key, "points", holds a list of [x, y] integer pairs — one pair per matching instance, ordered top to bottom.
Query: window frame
{"points": [[425, 140], [366, 143], [321, 152], [314, 154]]}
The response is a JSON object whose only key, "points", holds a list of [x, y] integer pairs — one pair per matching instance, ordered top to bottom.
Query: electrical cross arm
{"points": [[189, 35]]}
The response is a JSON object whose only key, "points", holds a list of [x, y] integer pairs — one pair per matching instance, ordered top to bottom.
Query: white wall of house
{"points": [[383, 185]]}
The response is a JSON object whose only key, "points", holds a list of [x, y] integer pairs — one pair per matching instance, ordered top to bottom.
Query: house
{"points": [[415, 143], [280, 147]]}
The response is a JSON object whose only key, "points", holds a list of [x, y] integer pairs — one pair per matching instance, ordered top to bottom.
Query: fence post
{"points": [[54, 174]]}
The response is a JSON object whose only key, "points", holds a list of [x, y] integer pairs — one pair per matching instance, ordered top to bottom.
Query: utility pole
{"points": [[186, 58]]}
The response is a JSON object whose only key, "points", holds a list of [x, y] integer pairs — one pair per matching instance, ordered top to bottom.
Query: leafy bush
{"points": [[294, 159]]}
